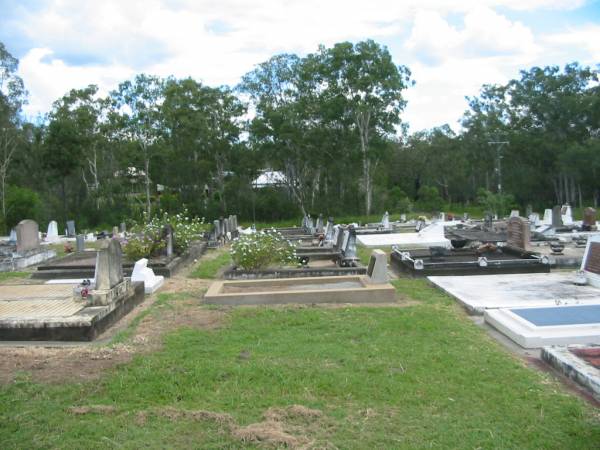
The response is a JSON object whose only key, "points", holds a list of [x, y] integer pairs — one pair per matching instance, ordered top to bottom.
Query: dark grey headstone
{"points": [[557, 217], [70, 228], [28, 235], [80, 243]]}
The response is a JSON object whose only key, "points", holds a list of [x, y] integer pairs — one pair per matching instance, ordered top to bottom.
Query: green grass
{"points": [[209, 267], [10, 275], [416, 377]]}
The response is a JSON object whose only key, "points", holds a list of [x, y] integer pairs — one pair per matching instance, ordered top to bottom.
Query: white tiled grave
{"points": [[431, 236], [480, 292], [551, 325]]}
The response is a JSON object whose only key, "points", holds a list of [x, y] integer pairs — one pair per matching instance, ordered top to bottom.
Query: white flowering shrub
{"points": [[148, 239], [261, 250]]}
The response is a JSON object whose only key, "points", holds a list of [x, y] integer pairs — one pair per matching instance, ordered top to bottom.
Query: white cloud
{"points": [[76, 43], [48, 78]]}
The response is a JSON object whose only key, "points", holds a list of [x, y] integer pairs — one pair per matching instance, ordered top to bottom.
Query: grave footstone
{"points": [[589, 219], [70, 228], [52, 234], [518, 234], [28, 237], [80, 243], [377, 270]]}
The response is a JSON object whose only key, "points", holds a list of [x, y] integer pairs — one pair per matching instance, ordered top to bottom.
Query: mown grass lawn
{"points": [[420, 376]]}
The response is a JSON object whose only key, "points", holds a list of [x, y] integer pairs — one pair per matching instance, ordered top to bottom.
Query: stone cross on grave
{"points": [[518, 234], [28, 236]]}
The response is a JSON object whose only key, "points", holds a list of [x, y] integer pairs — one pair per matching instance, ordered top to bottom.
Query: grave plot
{"points": [[430, 236], [23, 248], [484, 258], [82, 264], [372, 288], [480, 292], [66, 311], [554, 325], [581, 363]]}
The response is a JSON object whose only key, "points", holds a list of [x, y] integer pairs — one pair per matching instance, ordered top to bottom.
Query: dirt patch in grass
{"points": [[87, 361], [97, 409], [279, 428]]}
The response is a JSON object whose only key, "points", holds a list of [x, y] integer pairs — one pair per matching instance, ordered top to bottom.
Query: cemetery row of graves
{"points": [[534, 278]]}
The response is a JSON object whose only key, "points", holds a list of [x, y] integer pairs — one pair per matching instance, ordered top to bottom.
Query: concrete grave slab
{"points": [[430, 236], [347, 289], [480, 292], [50, 312], [553, 325], [574, 361]]}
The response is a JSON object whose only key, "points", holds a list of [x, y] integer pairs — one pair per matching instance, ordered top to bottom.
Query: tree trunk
{"points": [[362, 122], [147, 180]]}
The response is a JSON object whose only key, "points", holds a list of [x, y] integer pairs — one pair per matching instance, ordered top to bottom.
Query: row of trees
{"points": [[329, 121]]}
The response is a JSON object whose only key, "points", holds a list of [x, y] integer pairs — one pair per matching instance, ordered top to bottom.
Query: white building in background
{"points": [[270, 178]]}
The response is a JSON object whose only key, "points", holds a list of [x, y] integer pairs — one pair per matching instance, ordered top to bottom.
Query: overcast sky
{"points": [[452, 47]]}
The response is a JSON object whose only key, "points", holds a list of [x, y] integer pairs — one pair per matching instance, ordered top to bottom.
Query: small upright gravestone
{"points": [[514, 213], [557, 217], [589, 219], [547, 220], [385, 221], [488, 221], [319, 224], [70, 228], [122, 228], [115, 232], [168, 233], [52, 234], [518, 234], [28, 236], [80, 243], [591, 261], [377, 270], [109, 282]]}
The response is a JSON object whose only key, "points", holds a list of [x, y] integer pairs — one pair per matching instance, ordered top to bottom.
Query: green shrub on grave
{"points": [[261, 250]]}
